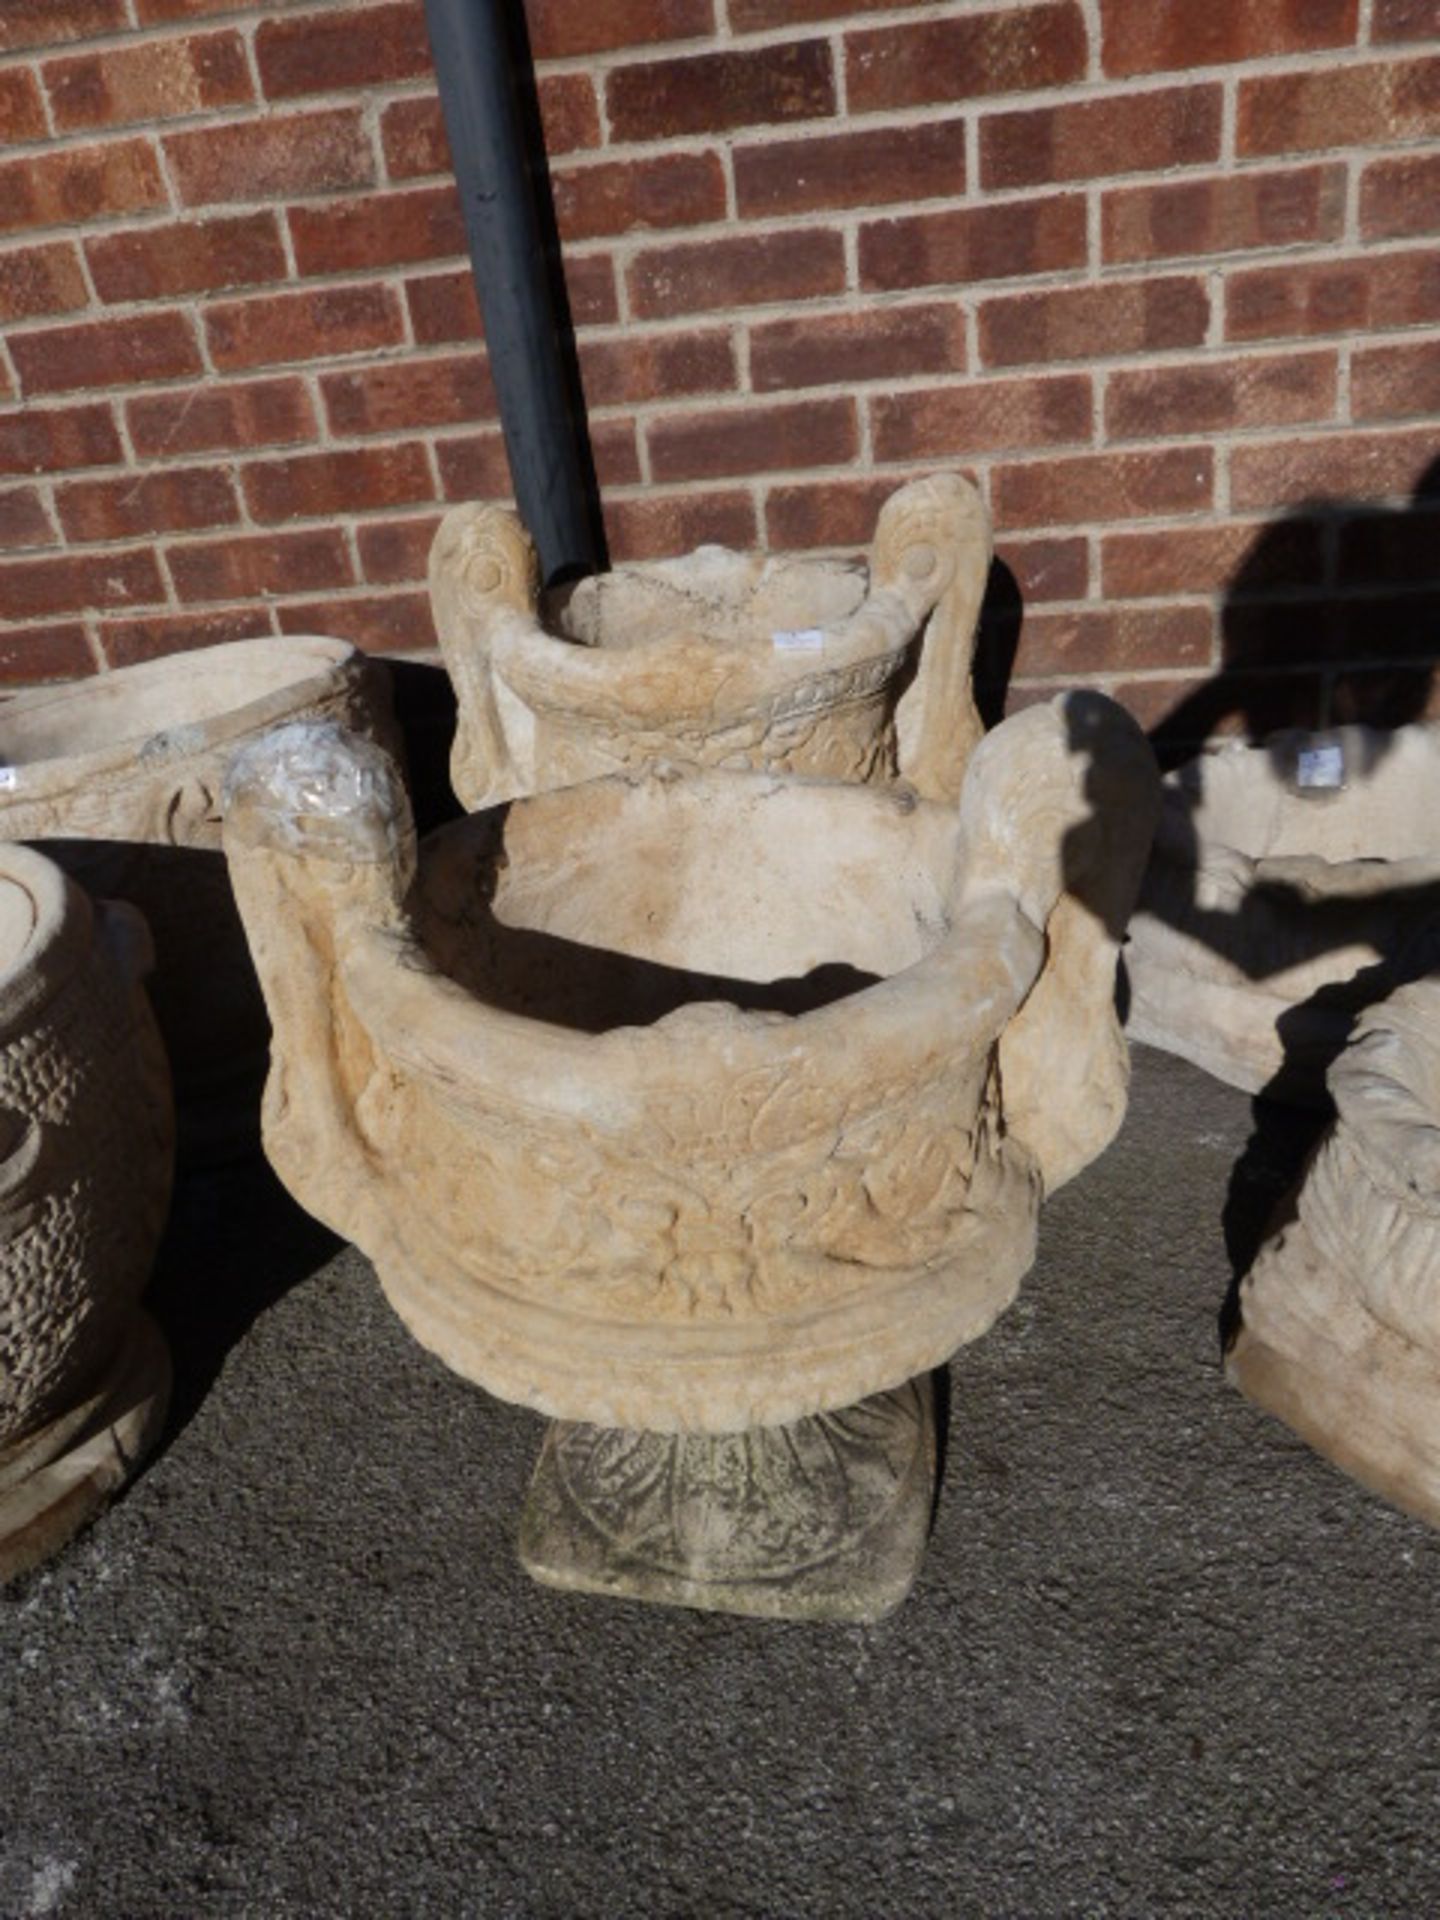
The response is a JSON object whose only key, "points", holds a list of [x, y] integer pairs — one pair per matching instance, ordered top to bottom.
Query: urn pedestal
{"points": [[119, 778], [691, 1106], [86, 1150]]}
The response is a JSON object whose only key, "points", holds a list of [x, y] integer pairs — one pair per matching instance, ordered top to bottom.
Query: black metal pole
{"points": [[481, 62]]}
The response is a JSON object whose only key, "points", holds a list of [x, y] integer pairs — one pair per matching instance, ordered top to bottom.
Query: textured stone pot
{"points": [[721, 659], [119, 777], [1270, 913], [696, 1106], [86, 1149], [1339, 1329]]}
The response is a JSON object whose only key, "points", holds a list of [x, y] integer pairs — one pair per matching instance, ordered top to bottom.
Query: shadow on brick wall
{"points": [[1332, 618]]}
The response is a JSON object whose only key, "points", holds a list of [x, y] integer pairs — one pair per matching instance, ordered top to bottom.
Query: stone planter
{"points": [[720, 659], [119, 776], [1271, 913], [697, 1109], [86, 1147], [1339, 1328]]}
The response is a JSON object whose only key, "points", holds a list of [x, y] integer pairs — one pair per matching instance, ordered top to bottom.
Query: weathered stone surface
{"points": [[719, 659], [119, 777], [1271, 913], [684, 1104], [86, 1134], [1339, 1328], [824, 1519]]}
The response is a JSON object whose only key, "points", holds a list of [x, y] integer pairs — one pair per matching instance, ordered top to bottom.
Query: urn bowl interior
{"points": [[714, 594], [617, 902]]}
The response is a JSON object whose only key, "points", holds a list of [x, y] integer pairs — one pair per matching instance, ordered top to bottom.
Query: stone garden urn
{"points": [[721, 659], [119, 777], [1290, 886], [703, 1113], [86, 1150], [1339, 1325]]}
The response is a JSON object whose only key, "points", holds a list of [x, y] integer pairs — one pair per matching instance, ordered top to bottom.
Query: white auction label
{"points": [[799, 640], [1320, 767], [8, 778]]}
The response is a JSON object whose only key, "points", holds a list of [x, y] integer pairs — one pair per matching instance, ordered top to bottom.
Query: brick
{"points": [[154, 12], [753, 16], [1398, 20], [44, 23], [559, 30], [1178, 34], [1010, 51], [324, 52], [161, 79], [712, 92], [1338, 106], [22, 112], [569, 112], [412, 132], [1084, 139], [272, 158], [851, 169], [71, 184], [618, 196], [1400, 197], [1180, 219], [378, 230], [1003, 241], [193, 256], [748, 270], [40, 280], [1333, 296], [443, 307], [1094, 322], [319, 325], [838, 348], [105, 353], [661, 366], [1395, 383], [402, 395], [1218, 396], [982, 416], [216, 419], [50, 439], [744, 440], [1356, 466], [474, 467], [348, 480], [1087, 488], [136, 505], [825, 513], [23, 519], [662, 525], [1379, 549], [396, 551], [1153, 565], [253, 567], [1048, 569], [72, 583], [382, 623], [1331, 628], [1114, 640], [126, 643], [31, 655], [1387, 696], [1182, 714]]}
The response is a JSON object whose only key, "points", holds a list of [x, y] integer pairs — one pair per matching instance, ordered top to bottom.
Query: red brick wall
{"points": [[1160, 273]]}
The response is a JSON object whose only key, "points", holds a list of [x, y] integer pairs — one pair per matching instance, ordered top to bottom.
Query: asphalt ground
{"points": [[1160, 1658]]}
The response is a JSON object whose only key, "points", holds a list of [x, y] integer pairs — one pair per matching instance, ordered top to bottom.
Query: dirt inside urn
{"points": [[615, 904]]}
